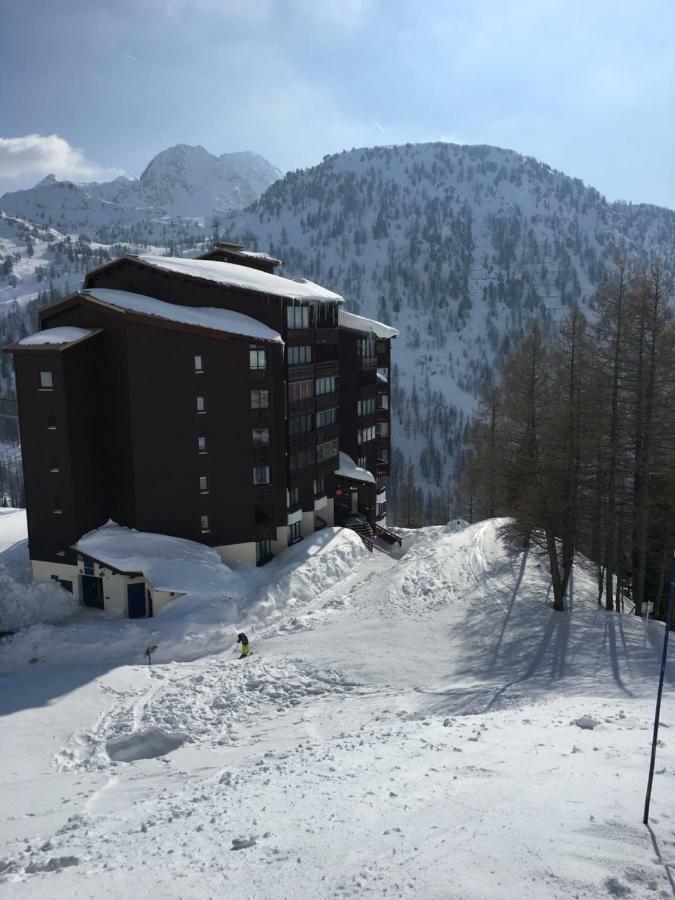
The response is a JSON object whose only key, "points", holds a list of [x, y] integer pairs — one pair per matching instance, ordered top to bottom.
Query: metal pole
{"points": [[648, 798]]}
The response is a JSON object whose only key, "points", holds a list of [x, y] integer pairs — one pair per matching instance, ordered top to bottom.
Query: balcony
{"points": [[326, 335], [367, 362], [328, 368], [300, 371], [259, 376], [324, 401], [306, 405], [260, 416], [261, 456], [320, 501]]}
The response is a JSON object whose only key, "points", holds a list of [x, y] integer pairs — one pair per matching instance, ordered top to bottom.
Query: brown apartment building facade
{"points": [[207, 399]]}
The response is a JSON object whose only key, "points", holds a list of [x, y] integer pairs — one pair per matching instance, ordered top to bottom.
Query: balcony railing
{"points": [[367, 362]]}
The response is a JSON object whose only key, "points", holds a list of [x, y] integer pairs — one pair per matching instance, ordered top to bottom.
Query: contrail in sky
{"points": [[129, 55], [378, 125]]}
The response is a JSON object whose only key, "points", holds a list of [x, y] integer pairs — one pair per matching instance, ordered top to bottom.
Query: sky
{"points": [[90, 89]]}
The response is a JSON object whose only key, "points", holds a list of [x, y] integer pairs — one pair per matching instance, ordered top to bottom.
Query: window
{"points": [[327, 315], [297, 316], [366, 347], [381, 347], [299, 355], [257, 357], [198, 364], [46, 381], [326, 385], [300, 390], [260, 399], [383, 401], [201, 407], [365, 407], [326, 417], [51, 423], [299, 424], [382, 429], [366, 434], [261, 437], [201, 444], [326, 451], [301, 459], [362, 462], [54, 465], [261, 474], [203, 484], [319, 486], [294, 497], [58, 508], [381, 510], [205, 524], [295, 532], [263, 552]]}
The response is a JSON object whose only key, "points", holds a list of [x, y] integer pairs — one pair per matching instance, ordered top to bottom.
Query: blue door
{"points": [[136, 600]]}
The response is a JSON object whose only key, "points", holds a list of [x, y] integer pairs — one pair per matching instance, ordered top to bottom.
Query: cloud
{"points": [[37, 155]]}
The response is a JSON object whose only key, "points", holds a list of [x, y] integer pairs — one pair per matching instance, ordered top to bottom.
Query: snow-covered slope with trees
{"points": [[182, 182], [458, 247], [422, 727]]}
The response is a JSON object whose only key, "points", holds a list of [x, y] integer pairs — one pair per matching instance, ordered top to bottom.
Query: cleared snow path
{"points": [[423, 727]]}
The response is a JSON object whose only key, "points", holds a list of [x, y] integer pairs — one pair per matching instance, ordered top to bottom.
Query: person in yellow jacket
{"points": [[245, 646]]}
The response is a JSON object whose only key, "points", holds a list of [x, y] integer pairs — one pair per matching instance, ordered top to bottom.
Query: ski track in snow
{"points": [[423, 727]]}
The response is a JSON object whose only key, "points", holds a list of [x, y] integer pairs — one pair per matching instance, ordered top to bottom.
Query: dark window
{"points": [[327, 315], [298, 316], [381, 347], [299, 355], [257, 357], [46, 380], [326, 385], [300, 390], [260, 399], [365, 407], [326, 417], [51, 423], [300, 424], [366, 434], [261, 437], [326, 451], [301, 459], [362, 462], [54, 465], [261, 474], [319, 485], [294, 497], [58, 507], [205, 524], [294, 532], [263, 551]]}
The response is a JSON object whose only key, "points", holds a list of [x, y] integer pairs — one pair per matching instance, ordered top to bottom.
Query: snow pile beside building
{"points": [[305, 572]]}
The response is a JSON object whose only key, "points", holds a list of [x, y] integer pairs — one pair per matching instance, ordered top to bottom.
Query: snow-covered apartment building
{"points": [[203, 399]]}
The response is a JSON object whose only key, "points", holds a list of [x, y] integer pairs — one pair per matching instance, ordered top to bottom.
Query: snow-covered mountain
{"points": [[181, 182], [458, 247]]}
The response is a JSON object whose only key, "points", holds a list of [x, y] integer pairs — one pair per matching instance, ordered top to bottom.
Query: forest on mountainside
{"points": [[574, 441]]}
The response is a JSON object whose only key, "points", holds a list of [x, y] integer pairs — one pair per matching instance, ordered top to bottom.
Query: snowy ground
{"points": [[415, 727]]}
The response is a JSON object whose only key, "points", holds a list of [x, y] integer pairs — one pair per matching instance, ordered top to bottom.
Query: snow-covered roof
{"points": [[256, 255], [243, 277], [225, 320], [369, 326], [50, 337], [382, 377], [349, 469], [168, 563]]}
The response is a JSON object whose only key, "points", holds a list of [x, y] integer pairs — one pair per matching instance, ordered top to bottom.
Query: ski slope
{"points": [[416, 727]]}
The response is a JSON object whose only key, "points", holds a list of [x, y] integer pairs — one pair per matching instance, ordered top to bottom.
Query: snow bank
{"points": [[225, 320], [26, 604]]}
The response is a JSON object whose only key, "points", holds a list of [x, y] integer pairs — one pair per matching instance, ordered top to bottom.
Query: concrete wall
{"points": [[281, 542], [238, 553], [43, 571]]}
